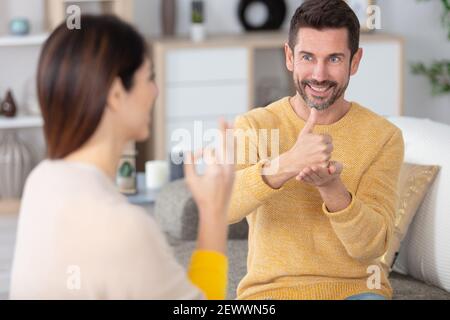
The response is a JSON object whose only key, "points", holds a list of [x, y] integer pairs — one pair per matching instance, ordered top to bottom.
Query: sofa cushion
{"points": [[413, 184], [177, 214], [425, 252], [405, 287]]}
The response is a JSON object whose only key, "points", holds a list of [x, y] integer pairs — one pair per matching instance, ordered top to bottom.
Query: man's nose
{"points": [[320, 72]]}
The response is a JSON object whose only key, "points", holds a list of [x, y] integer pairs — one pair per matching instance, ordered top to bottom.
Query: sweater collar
{"points": [[319, 128]]}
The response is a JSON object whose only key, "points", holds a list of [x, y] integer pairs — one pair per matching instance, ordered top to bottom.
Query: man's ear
{"points": [[289, 57], [355, 61], [115, 95]]}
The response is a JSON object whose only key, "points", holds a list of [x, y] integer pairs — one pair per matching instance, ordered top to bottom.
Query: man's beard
{"points": [[325, 104]]}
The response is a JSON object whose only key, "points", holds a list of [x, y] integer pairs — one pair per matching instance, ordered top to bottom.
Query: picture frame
{"points": [[360, 9]]}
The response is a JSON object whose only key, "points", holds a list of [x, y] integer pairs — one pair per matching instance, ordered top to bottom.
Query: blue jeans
{"points": [[366, 296]]}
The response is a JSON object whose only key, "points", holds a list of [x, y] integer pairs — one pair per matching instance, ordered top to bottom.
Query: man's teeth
{"points": [[319, 89]]}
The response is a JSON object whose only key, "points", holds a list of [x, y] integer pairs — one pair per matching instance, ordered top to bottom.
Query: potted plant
{"points": [[197, 21]]}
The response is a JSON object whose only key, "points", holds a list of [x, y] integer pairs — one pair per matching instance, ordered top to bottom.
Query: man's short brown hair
{"points": [[324, 14]]}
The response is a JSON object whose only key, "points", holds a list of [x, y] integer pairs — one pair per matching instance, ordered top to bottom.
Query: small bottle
{"points": [[126, 178]]}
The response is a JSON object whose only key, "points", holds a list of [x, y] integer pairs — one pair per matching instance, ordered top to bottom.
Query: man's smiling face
{"points": [[321, 64]]}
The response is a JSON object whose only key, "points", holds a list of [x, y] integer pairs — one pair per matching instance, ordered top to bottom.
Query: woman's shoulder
{"points": [[65, 181], [78, 189], [82, 197]]}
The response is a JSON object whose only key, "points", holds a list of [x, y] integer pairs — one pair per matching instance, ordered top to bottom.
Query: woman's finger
{"points": [[225, 154], [209, 156], [189, 166]]}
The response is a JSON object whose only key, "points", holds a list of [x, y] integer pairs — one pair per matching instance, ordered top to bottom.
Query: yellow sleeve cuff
{"points": [[260, 189], [346, 214], [209, 272]]}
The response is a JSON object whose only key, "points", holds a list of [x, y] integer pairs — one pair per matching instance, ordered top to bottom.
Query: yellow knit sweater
{"points": [[299, 250]]}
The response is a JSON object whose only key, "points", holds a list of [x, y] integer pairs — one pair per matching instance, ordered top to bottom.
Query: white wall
{"points": [[31, 9], [221, 16], [418, 22], [425, 40]]}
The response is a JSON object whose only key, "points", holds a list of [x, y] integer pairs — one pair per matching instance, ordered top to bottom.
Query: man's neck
{"points": [[325, 117]]}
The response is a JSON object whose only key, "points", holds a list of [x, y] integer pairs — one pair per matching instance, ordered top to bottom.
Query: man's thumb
{"points": [[311, 122], [335, 167]]}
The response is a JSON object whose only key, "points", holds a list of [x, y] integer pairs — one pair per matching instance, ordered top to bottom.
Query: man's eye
{"points": [[307, 57], [335, 59]]}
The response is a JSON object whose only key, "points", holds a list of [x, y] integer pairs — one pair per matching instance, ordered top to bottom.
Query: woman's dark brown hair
{"points": [[322, 14], [76, 71]]}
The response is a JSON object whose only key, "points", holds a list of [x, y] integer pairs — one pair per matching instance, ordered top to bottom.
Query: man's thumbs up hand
{"points": [[310, 123], [309, 150]]}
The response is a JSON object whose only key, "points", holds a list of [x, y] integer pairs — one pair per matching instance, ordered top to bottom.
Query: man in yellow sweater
{"points": [[320, 206]]}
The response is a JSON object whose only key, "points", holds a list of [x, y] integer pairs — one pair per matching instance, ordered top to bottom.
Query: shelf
{"points": [[21, 41], [21, 122], [144, 196], [9, 206]]}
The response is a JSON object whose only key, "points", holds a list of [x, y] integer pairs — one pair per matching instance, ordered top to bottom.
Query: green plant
{"points": [[197, 12], [197, 17], [438, 72]]}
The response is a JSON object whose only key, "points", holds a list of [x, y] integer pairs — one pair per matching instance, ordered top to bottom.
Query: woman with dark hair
{"points": [[78, 237]]}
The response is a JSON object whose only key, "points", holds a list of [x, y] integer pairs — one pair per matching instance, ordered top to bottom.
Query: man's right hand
{"points": [[309, 149]]}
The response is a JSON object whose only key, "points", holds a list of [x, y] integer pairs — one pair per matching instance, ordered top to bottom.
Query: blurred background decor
{"points": [[360, 7], [168, 14], [257, 15], [198, 19], [19, 27], [437, 72], [8, 106], [15, 164]]}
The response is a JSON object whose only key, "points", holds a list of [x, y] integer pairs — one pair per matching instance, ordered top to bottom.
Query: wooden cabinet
{"points": [[200, 82]]}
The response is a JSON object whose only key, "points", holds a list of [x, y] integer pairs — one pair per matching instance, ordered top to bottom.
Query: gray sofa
{"points": [[176, 212]]}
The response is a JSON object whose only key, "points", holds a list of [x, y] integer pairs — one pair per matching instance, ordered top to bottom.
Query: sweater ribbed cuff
{"points": [[254, 180], [346, 214], [209, 257], [209, 272]]}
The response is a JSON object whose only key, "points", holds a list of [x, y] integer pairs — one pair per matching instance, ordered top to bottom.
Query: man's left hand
{"points": [[321, 176]]}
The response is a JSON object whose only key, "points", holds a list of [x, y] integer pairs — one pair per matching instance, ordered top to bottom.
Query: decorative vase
{"points": [[276, 13], [168, 14], [19, 27], [8, 106], [15, 164]]}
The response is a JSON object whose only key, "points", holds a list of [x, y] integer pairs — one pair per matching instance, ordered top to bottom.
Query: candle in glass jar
{"points": [[156, 174]]}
